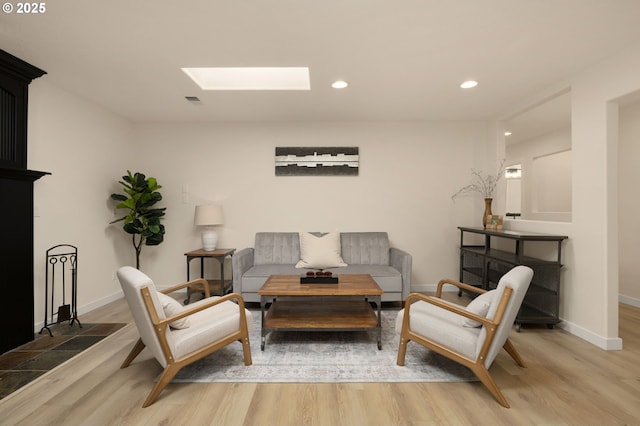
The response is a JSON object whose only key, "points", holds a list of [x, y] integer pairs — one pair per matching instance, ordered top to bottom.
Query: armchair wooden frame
{"points": [[160, 326], [475, 365]]}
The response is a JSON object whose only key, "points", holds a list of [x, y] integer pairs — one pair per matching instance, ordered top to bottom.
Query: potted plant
{"points": [[485, 185], [143, 219]]}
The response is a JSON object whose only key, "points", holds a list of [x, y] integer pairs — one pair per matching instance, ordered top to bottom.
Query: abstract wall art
{"points": [[317, 161]]}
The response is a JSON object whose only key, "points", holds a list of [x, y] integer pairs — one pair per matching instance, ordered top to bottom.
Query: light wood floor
{"points": [[568, 381]]}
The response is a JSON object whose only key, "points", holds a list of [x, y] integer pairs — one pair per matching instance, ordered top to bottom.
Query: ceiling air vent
{"points": [[193, 99]]}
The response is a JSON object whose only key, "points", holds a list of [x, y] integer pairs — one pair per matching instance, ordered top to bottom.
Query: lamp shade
{"points": [[208, 215]]}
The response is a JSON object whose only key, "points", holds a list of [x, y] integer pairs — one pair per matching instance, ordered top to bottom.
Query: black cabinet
{"points": [[482, 265]]}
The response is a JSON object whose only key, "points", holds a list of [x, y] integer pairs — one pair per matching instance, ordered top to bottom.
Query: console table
{"points": [[218, 254], [482, 266]]}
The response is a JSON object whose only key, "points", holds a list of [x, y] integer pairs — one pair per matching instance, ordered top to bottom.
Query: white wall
{"points": [[85, 148], [407, 175], [552, 180], [534, 189], [629, 190]]}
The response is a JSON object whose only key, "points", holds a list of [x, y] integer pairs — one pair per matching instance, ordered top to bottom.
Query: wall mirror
{"points": [[538, 166]]}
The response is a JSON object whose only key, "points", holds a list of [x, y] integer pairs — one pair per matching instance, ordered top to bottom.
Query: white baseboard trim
{"points": [[628, 300], [88, 307], [609, 344]]}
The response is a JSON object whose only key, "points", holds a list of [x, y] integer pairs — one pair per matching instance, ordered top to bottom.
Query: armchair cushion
{"points": [[320, 252], [518, 279], [171, 306], [479, 306], [208, 325], [440, 325]]}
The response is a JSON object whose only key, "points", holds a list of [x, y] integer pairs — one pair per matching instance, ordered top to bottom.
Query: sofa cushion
{"points": [[276, 248], [365, 248], [320, 252], [266, 270], [255, 276], [388, 278]]}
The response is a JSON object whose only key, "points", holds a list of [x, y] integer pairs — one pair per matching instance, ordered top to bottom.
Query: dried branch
{"points": [[485, 185]]}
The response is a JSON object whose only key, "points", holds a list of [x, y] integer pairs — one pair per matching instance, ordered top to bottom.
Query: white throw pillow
{"points": [[320, 252], [171, 306], [479, 306]]}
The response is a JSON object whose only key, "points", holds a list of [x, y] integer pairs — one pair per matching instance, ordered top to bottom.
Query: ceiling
{"points": [[404, 60]]}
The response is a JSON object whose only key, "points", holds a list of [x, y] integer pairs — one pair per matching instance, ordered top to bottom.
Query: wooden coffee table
{"points": [[320, 307]]}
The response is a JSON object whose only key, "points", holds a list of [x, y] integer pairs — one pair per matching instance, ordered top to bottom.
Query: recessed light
{"points": [[250, 78], [339, 84], [469, 84], [507, 133]]}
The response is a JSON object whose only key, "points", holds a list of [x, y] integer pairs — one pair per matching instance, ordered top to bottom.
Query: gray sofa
{"points": [[363, 252]]}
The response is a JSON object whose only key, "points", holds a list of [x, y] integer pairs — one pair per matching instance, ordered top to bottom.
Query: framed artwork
{"points": [[317, 161]]}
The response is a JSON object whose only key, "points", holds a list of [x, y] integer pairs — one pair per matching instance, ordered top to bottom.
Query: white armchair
{"points": [[176, 335], [472, 335]]}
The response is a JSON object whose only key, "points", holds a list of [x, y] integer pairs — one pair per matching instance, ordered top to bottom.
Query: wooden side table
{"points": [[215, 286]]}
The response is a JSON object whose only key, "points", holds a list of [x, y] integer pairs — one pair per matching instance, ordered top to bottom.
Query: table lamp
{"points": [[208, 216]]}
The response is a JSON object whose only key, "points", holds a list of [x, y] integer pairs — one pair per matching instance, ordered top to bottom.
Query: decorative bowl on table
{"points": [[318, 277]]}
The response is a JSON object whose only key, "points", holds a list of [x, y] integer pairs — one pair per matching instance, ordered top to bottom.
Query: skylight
{"points": [[250, 78]]}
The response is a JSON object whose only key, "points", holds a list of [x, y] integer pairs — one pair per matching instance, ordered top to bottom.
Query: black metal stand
{"points": [[59, 259]]}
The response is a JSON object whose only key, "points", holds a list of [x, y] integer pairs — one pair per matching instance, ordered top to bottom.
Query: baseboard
{"points": [[628, 300], [88, 307], [609, 344]]}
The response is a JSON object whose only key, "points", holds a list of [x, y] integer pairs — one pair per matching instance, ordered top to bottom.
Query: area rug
{"points": [[325, 357]]}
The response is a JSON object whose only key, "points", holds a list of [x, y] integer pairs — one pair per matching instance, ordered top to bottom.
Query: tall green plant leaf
{"points": [[143, 219]]}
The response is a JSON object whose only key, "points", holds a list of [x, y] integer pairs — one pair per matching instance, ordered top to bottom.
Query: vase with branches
{"points": [[484, 184], [143, 218]]}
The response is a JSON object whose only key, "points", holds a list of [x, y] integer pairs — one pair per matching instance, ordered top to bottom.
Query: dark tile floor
{"points": [[31, 360]]}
